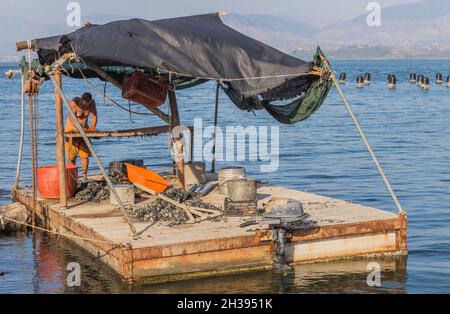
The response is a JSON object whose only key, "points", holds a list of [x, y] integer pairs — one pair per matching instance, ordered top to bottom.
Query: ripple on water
{"points": [[408, 128]]}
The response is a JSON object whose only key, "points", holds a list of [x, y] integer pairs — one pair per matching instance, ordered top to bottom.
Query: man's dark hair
{"points": [[86, 97], [76, 100]]}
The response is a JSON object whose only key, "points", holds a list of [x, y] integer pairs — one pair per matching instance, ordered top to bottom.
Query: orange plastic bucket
{"points": [[48, 181]]}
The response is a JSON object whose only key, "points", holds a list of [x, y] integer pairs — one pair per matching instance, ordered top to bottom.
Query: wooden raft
{"points": [[335, 230]]}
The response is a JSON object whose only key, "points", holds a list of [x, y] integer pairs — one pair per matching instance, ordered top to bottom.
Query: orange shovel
{"points": [[147, 178]]}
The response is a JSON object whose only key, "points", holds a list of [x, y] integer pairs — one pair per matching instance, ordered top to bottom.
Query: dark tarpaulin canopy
{"points": [[253, 74]]}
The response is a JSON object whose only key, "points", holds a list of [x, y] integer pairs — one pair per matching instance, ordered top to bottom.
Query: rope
{"points": [[233, 79], [109, 98], [36, 130], [22, 135], [369, 148], [33, 153], [55, 232]]}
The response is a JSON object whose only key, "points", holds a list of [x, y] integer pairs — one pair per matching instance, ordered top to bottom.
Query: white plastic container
{"points": [[126, 195]]}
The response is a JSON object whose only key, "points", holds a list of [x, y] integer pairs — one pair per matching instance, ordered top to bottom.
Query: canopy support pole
{"points": [[117, 84], [216, 110], [366, 142], [179, 147], [60, 154]]}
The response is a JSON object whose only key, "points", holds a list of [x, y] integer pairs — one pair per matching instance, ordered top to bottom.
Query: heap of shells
{"points": [[98, 191], [156, 211], [161, 211]]}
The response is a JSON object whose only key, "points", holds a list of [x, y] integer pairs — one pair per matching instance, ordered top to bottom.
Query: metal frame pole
{"points": [[216, 110]]}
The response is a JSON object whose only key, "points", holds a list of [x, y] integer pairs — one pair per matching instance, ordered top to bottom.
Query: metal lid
{"points": [[283, 208]]}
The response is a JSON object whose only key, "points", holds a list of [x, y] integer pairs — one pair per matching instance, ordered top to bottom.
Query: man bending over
{"points": [[83, 108]]}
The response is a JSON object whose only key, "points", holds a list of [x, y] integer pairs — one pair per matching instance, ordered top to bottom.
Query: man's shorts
{"points": [[77, 148]]}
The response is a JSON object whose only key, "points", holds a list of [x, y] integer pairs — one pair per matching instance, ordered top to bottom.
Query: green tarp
{"points": [[297, 110]]}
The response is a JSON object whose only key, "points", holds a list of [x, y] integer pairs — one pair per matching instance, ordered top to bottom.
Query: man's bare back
{"points": [[83, 110]]}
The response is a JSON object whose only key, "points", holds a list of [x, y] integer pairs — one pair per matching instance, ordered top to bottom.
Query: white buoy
{"points": [[9, 74], [367, 78], [438, 78], [420, 80], [360, 81], [392, 83], [426, 83]]}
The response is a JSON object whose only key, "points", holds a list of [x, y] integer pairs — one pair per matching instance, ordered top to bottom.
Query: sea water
{"points": [[408, 128]]}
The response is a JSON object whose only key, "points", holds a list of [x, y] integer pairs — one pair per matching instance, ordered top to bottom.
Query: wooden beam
{"points": [[22, 45], [117, 84], [150, 131], [122, 133], [60, 156]]}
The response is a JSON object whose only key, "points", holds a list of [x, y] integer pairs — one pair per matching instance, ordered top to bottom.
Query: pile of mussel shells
{"points": [[98, 191], [156, 211], [161, 211]]}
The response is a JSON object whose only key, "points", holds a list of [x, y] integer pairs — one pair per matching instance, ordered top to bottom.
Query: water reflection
{"points": [[52, 255]]}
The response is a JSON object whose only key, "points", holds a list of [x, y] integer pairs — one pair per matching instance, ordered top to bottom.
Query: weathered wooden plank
{"points": [[150, 131]]}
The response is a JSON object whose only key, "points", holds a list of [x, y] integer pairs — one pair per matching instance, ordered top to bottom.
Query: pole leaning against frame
{"points": [[55, 66]]}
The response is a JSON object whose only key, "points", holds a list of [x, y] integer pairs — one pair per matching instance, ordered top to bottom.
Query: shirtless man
{"points": [[83, 108]]}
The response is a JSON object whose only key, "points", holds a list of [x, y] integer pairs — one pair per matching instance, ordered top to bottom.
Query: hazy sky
{"points": [[323, 10]]}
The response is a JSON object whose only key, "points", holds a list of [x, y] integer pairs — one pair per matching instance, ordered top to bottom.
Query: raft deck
{"points": [[334, 230]]}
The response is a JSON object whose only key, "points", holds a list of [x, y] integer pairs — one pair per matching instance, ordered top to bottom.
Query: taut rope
{"points": [[366, 142]]}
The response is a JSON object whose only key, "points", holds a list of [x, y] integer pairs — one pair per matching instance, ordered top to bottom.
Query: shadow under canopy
{"points": [[192, 50]]}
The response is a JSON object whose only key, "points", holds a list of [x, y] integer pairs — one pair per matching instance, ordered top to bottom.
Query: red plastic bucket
{"points": [[48, 181]]}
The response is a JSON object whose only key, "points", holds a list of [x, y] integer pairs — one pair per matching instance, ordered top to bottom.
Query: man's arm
{"points": [[74, 108], [94, 116]]}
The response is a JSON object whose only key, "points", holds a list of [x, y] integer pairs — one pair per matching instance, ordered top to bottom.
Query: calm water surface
{"points": [[408, 128]]}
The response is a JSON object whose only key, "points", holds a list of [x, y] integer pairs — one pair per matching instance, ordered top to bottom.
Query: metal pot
{"points": [[227, 174], [242, 190]]}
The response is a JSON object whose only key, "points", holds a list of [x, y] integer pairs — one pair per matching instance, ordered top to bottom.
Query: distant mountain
{"points": [[271, 23], [407, 25], [415, 30], [282, 32]]}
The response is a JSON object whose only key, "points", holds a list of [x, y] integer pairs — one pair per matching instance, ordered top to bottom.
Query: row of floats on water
{"points": [[420, 80]]}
